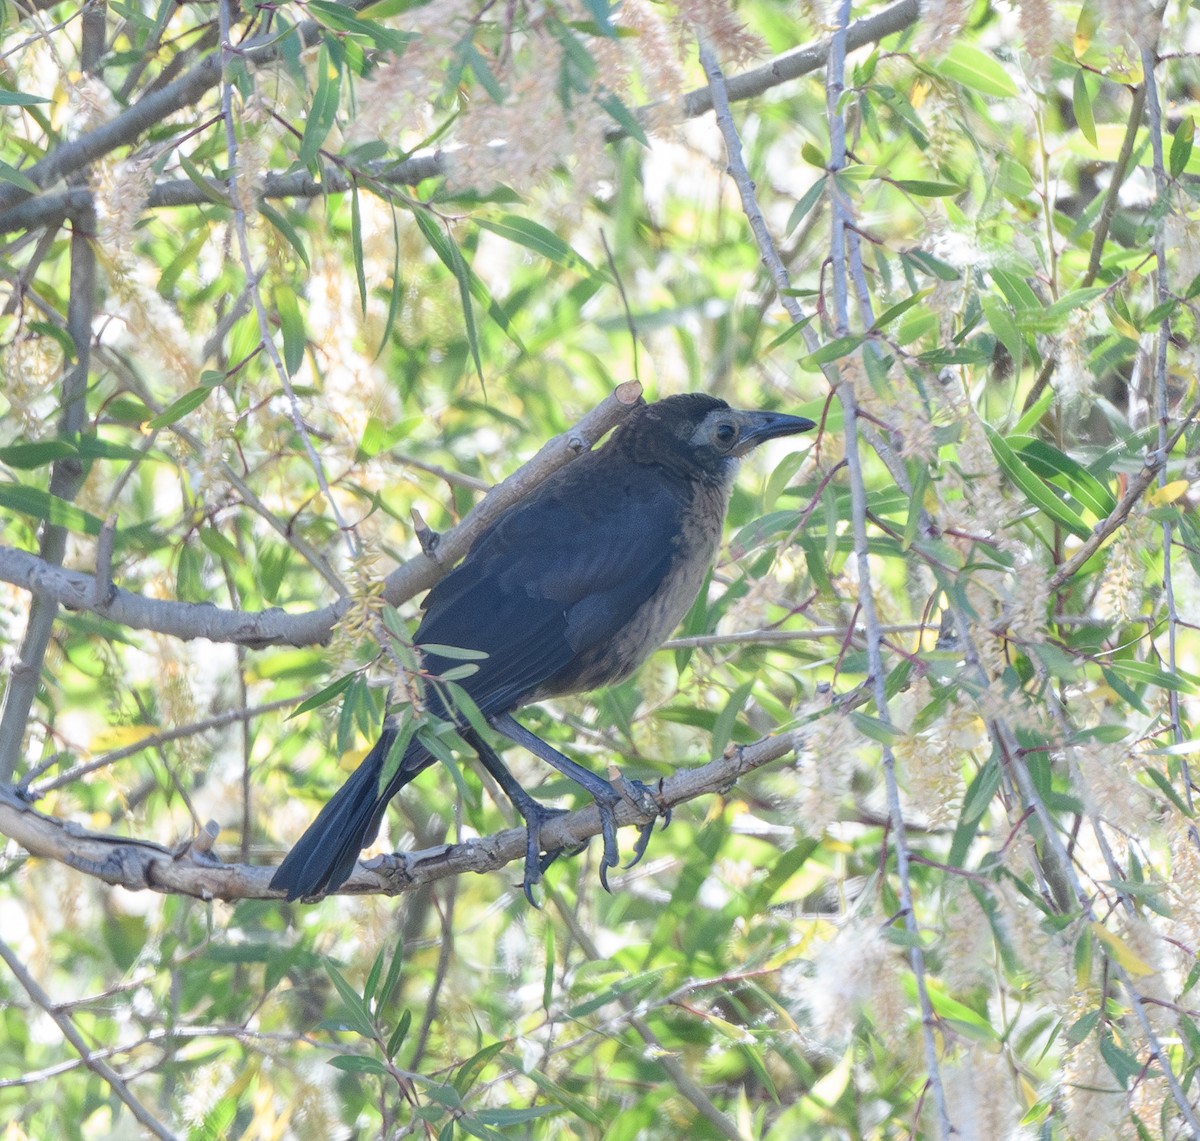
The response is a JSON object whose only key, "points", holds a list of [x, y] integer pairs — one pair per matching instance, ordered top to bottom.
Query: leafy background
{"points": [[276, 277]]}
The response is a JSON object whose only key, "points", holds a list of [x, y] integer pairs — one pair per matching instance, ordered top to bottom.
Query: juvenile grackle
{"points": [[568, 590]]}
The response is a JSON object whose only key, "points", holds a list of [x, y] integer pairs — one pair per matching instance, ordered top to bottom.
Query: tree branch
{"points": [[19, 211], [1154, 464], [187, 620], [191, 869], [71, 1033]]}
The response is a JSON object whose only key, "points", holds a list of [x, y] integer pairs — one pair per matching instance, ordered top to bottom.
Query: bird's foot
{"points": [[646, 801], [650, 801], [611, 857], [535, 862]]}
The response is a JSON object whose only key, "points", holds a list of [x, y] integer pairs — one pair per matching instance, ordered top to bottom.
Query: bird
{"points": [[567, 591]]}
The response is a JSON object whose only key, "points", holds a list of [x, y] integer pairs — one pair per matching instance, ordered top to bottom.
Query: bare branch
{"points": [[20, 212], [1155, 463], [187, 620], [191, 870], [71, 1033]]}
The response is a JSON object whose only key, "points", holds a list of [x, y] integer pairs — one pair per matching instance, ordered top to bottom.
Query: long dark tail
{"points": [[325, 855]]}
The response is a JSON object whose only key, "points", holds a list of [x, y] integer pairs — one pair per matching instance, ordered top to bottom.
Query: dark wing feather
{"points": [[563, 570]]}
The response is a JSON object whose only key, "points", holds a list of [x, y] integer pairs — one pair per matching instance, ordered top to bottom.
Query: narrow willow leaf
{"points": [[977, 70], [1081, 101], [1181, 146], [924, 189], [356, 248], [291, 324], [1032, 486], [42, 505], [323, 695]]}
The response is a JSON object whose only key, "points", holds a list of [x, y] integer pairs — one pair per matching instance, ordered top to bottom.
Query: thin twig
{"points": [[1112, 199], [20, 211], [840, 223], [1162, 282], [266, 334], [1154, 463], [67, 474], [275, 626], [154, 740], [142, 865], [69, 1031], [680, 1078]]}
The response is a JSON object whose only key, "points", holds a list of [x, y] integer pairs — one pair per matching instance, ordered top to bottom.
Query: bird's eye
{"points": [[726, 434]]}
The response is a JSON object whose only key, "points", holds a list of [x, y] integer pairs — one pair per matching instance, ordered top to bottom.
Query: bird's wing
{"points": [[564, 570]]}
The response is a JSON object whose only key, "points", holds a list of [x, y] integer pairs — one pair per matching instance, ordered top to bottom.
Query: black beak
{"points": [[760, 426]]}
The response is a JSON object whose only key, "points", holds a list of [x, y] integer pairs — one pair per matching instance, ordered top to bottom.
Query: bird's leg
{"points": [[606, 794], [533, 812]]}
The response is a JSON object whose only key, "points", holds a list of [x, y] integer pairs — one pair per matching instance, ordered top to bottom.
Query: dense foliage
{"points": [[281, 286]]}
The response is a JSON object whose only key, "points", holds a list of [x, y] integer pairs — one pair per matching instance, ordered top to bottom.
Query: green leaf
{"points": [[340, 18], [977, 70], [483, 72], [19, 99], [1081, 101], [323, 110], [624, 118], [1181, 146], [812, 154], [11, 174], [201, 181], [925, 189], [809, 199], [289, 232], [533, 236], [356, 248], [449, 253], [927, 263], [892, 312], [1000, 321], [291, 324], [789, 333], [831, 351], [178, 409], [41, 454], [1047, 461], [1032, 486], [42, 505], [220, 546], [455, 653], [1143, 673], [324, 695], [462, 702], [723, 726], [875, 728], [404, 735], [979, 795], [788, 864], [392, 978], [358, 1017], [396, 1040], [358, 1064], [1123, 1065], [473, 1066], [507, 1117]]}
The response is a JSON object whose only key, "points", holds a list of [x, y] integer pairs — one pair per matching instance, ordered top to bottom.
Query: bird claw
{"points": [[647, 802], [535, 816], [608, 830], [647, 830], [639, 849]]}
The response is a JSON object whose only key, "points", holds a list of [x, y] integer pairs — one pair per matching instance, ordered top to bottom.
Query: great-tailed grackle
{"points": [[566, 591]]}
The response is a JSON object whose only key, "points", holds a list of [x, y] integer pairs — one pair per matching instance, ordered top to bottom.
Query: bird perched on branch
{"points": [[568, 590]]}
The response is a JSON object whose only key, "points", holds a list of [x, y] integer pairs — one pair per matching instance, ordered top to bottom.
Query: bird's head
{"points": [[700, 435]]}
